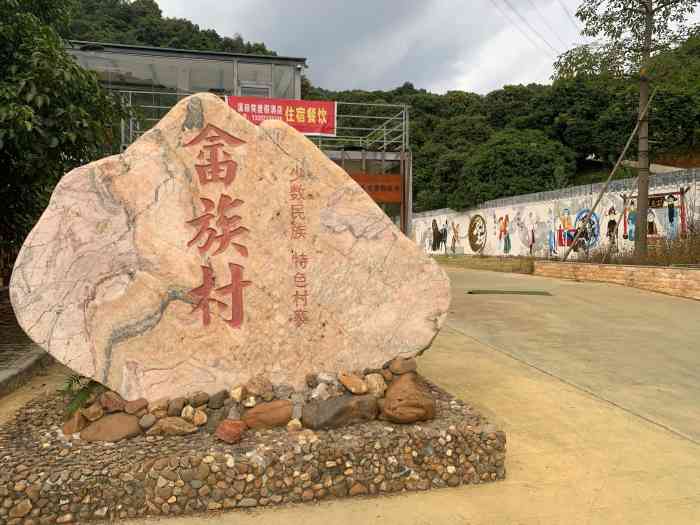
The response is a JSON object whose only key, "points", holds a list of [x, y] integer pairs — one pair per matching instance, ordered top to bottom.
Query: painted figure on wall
{"points": [[671, 202], [631, 221], [651, 223], [612, 226], [589, 227], [566, 232], [477, 233], [504, 233], [552, 235], [455, 236], [436, 237], [443, 237]]}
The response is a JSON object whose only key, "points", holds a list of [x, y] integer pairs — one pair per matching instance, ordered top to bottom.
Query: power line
{"points": [[569, 16], [546, 23], [528, 24], [520, 30]]}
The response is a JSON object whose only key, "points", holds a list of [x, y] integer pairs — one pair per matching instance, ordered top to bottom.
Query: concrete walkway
{"points": [[19, 356], [587, 443]]}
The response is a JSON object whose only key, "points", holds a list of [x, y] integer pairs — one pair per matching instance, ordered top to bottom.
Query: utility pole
{"points": [[640, 246]]}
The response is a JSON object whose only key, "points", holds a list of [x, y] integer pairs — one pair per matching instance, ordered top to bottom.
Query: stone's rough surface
{"points": [[112, 279], [402, 366], [353, 383], [376, 384], [199, 399], [408, 400], [216, 401], [112, 402], [135, 406], [339, 411], [93, 412], [269, 415], [147, 421], [75, 423], [172, 426], [112, 427], [230, 431]]}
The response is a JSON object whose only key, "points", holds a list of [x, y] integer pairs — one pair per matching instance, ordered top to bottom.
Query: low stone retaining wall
{"points": [[681, 282], [48, 478]]}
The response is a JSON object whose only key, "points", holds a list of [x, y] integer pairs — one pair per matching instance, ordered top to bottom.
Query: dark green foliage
{"points": [[142, 22], [53, 114], [512, 162], [77, 390]]}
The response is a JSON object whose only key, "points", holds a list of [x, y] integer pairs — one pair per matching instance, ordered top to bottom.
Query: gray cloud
{"points": [[439, 45]]}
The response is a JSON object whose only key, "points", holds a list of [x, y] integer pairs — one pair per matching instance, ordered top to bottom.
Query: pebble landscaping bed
{"points": [[46, 477]]}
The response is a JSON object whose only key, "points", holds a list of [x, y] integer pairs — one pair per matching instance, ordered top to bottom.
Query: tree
{"points": [[634, 31], [53, 114], [513, 162]]}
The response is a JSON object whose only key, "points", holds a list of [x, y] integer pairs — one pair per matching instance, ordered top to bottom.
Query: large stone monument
{"points": [[213, 251]]}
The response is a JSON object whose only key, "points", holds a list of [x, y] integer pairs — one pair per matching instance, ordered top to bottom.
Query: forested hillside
{"points": [[142, 22], [469, 147]]}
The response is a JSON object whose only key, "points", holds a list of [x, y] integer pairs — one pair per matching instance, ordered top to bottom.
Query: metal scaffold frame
{"points": [[369, 132]]}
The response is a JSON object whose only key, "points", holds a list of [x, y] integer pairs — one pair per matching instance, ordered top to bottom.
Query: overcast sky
{"points": [[439, 45]]}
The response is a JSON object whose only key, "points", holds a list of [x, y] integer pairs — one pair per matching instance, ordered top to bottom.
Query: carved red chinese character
{"points": [[218, 165], [296, 191], [297, 211], [228, 226], [298, 231], [300, 260], [300, 280], [235, 290], [202, 295], [300, 298], [300, 318]]}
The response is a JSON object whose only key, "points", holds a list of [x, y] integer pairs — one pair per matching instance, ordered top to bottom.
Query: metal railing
{"points": [[359, 126]]}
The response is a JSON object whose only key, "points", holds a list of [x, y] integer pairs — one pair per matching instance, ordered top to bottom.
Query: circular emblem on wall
{"points": [[477, 233]]}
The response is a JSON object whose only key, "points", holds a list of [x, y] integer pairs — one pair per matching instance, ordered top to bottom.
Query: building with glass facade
{"points": [[153, 69]]}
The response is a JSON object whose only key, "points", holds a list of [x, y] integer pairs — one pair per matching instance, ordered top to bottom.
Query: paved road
{"points": [[638, 350]]}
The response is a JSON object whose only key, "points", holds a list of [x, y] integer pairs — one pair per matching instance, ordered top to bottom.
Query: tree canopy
{"points": [[141, 22], [53, 114]]}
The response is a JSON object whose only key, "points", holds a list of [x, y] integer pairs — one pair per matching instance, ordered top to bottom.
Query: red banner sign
{"points": [[311, 117]]}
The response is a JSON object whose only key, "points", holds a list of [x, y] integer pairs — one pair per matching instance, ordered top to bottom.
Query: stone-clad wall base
{"points": [[681, 282], [45, 478]]}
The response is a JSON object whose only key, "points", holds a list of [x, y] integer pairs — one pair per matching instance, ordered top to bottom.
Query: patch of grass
{"points": [[491, 263]]}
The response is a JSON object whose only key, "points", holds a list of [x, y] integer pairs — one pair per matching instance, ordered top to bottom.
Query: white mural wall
{"points": [[544, 224]]}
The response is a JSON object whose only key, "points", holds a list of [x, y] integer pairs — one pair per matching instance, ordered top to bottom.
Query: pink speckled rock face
{"points": [[214, 250]]}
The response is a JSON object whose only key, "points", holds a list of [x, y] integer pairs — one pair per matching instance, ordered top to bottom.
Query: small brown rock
{"points": [[402, 365], [387, 375], [355, 384], [376, 384], [260, 386], [238, 393], [199, 399], [216, 400], [408, 400], [112, 402], [158, 404], [135, 406], [175, 406], [339, 411], [93, 412], [187, 413], [269, 415], [199, 418], [147, 421], [75, 423], [172, 426], [112, 427], [230, 431], [358, 489], [20, 510]]}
